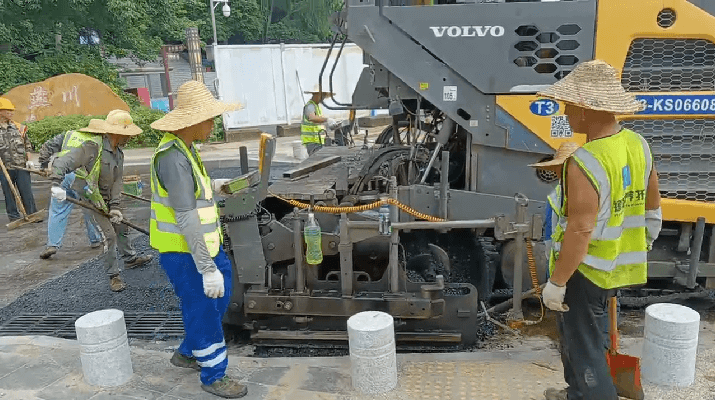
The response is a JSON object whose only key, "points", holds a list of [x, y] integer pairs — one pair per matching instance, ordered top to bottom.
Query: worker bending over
{"points": [[312, 127], [14, 149], [94, 154], [612, 206], [185, 229]]}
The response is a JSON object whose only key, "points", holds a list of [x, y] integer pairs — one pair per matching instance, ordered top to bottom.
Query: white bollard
{"points": [[299, 151], [670, 345], [104, 350], [373, 359]]}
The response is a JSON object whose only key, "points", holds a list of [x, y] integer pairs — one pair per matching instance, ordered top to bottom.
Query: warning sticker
{"points": [[424, 85], [449, 93], [560, 127]]}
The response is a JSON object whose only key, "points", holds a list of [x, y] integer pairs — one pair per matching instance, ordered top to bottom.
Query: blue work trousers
{"points": [[60, 213], [202, 315]]}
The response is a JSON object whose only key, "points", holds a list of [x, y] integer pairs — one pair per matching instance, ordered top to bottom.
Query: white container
{"points": [[299, 151], [670, 345], [104, 350], [373, 358]]}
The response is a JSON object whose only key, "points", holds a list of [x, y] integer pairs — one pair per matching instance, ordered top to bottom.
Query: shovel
{"points": [[104, 214], [26, 219], [625, 370]]}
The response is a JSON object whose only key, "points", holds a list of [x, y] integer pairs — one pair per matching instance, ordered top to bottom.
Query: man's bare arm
{"points": [[316, 119], [652, 198], [582, 209]]}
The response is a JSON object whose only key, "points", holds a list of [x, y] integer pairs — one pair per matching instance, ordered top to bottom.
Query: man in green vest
{"points": [[312, 127], [94, 154], [612, 208], [185, 228]]}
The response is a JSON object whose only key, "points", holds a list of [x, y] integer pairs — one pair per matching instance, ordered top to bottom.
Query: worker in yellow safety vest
{"points": [[313, 125], [94, 156], [612, 215], [185, 229]]}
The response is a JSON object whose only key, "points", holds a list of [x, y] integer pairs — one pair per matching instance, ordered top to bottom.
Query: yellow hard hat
{"points": [[6, 104]]}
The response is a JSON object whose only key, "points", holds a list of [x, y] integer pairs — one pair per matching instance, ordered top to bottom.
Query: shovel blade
{"points": [[626, 373]]}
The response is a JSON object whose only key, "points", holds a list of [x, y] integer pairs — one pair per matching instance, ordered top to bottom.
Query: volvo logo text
{"points": [[467, 31]]}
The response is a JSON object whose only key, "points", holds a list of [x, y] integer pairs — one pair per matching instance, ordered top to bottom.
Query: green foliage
{"points": [[19, 71], [41, 131]]}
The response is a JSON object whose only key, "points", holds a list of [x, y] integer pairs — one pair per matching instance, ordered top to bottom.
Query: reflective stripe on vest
{"points": [[310, 131], [76, 139], [619, 167], [165, 235]]}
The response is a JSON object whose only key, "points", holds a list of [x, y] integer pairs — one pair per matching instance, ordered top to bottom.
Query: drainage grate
{"points": [[149, 325]]}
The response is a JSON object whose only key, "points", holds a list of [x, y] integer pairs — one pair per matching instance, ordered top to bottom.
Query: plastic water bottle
{"points": [[384, 219], [313, 241]]}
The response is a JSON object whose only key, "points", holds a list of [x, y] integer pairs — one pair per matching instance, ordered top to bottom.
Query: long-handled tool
{"points": [[34, 171], [46, 174], [136, 197], [102, 213], [26, 219], [625, 370]]}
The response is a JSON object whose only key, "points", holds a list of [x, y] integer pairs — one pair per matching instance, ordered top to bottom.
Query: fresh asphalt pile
{"points": [[86, 289]]}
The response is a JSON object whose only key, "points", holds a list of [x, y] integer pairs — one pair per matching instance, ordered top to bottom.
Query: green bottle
{"points": [[313, 241]]}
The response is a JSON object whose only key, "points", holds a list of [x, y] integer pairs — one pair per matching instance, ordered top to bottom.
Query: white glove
{"points": [[331, 123], [30, 165], [217, 183], [58, 193], [115, 216], [653, 223], [213, 283], [554, 297]]}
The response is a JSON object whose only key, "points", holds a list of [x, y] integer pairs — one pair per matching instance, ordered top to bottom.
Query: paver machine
{"points": [[443, 213]]}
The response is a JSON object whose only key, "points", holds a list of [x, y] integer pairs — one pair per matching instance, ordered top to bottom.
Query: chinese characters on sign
{"points": [[40, 97]]}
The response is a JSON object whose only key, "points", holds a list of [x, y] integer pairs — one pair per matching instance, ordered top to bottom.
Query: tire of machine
{"points": [[487, 258], [506, 270]]}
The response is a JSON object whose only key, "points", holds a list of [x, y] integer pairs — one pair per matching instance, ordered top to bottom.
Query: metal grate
{"points": [[666, 18], [547, 52], [655, 65], [684, 153], [149, 325]]}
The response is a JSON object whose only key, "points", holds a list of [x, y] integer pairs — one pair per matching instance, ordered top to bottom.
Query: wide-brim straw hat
{"points": [[594, 85], [316, 89], [194, 104], [118, 122], [562, 154]]}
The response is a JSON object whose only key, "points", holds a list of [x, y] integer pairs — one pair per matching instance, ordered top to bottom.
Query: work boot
{"points": [[95, 245], [49, 252], [137, 261], [116, 284], [182, 361], [227, 388], [555, 394]]}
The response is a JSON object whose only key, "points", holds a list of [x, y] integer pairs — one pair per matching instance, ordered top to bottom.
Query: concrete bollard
{"points": [[670, 345], [104, 350], [373, 358]]}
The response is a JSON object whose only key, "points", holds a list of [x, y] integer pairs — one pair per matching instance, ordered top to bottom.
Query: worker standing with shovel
{"points": [[13, 152], [95, 154], [612, 205]]}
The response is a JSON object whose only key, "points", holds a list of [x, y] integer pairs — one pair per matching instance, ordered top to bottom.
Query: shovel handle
{"points": [[613, 323]]}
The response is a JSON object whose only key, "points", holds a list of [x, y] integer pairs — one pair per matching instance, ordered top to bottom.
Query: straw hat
{"points": [[594, 85], [316, 89], [194, 104], [118, 122], [562, 154]]}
